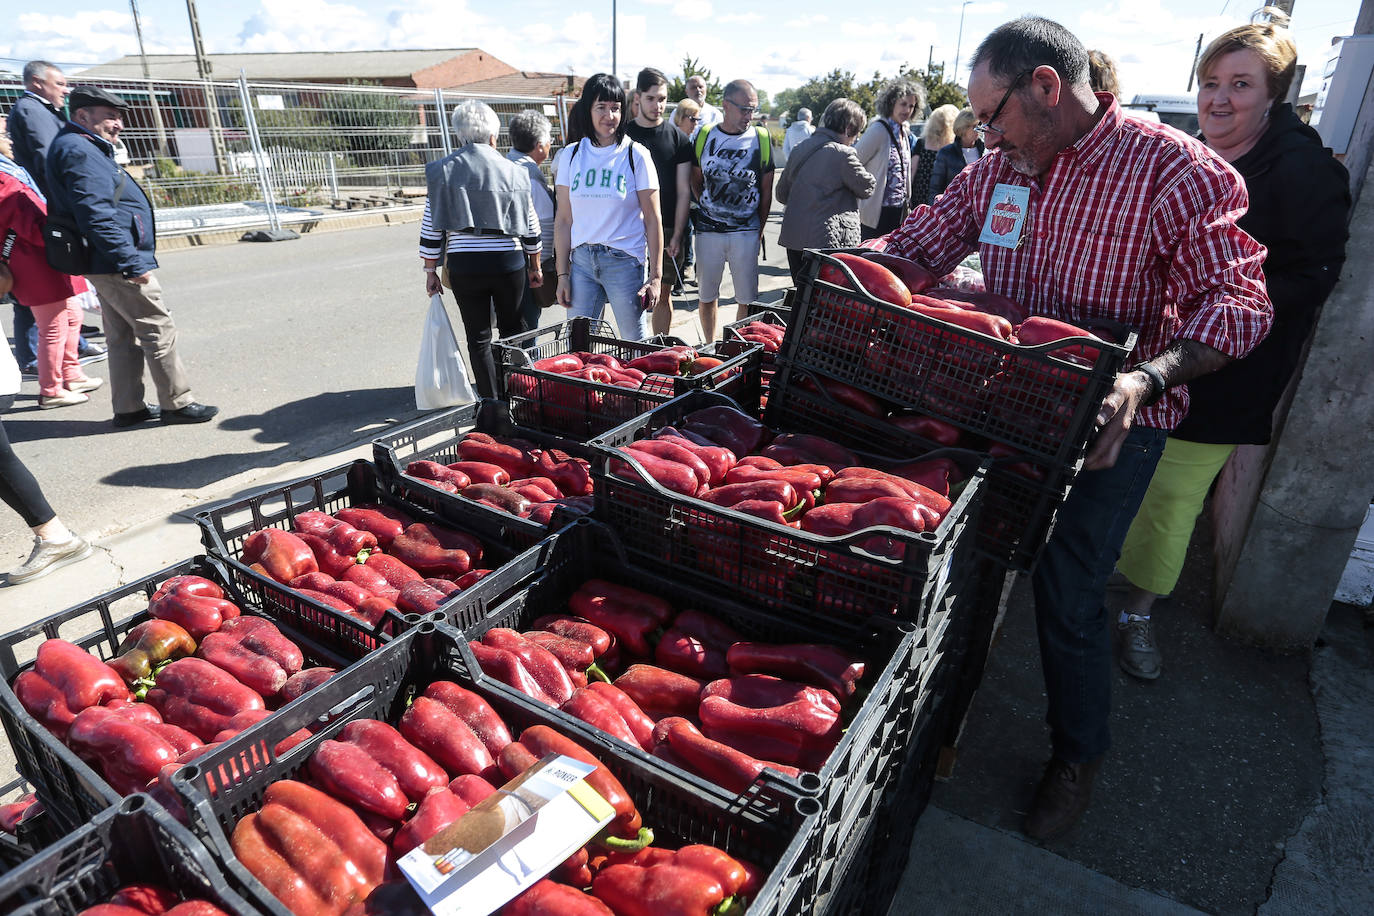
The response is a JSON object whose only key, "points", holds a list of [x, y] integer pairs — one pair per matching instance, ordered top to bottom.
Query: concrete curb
{"points": [[397, 215]]}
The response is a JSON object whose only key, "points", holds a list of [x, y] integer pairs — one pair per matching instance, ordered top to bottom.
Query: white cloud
{"points": [[739, 18], [82, 38]]}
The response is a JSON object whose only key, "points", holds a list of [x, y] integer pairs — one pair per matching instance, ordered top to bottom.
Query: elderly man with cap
{"points": [[115, 218]]}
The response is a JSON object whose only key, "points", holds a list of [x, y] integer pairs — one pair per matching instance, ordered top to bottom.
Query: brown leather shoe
{"points": [[1061, 798]]}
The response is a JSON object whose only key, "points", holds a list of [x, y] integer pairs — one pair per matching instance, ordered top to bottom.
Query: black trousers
{"points": [[888, 219], [479, 295], [19, 489]]}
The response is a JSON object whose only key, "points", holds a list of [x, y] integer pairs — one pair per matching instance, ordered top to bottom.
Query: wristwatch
{"points": [[1157, 384]]}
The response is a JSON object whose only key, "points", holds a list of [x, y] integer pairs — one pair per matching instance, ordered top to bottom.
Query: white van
{"points": [[1178, 111]]}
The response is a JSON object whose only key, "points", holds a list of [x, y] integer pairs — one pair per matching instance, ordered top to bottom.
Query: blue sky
{"points": [[775, 44]]}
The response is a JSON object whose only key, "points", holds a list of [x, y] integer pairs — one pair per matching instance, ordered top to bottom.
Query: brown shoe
{"points": [[1061, 798]]}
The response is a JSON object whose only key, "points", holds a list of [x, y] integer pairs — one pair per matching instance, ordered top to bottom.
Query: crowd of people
{"points": [[1218, 249]]}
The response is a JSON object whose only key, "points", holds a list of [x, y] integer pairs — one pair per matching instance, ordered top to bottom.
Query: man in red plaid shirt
{"points": [[1078, 212]]}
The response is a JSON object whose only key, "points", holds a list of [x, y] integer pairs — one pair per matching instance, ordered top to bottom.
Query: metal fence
{"points": [[217, 153]]}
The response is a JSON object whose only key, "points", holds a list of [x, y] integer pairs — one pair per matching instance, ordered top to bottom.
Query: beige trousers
{"points": [[138, 329]]}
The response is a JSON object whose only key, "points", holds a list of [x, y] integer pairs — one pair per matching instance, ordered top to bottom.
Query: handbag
{"points": [[63, 244], [6, 249], [547, 294], [441, 380]]}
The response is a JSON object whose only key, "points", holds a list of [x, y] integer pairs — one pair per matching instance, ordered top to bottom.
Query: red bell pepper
{"points": [[916, 277], [874, 279], [992, 303], [983, 323], [1037, 330], [664, 362], [562, 364], [843, 393], [727, 427], [936, 431], [663, 448], [816, 449], [718, 459], [516, 460], [1026, 468], [435, 472], [481, 472], [823, 472], [571, 474], [669, 474], [935, 474], [805, 482], [863, 485], [536, 489], [768, 489], [499, 497], [770, 511], [901, 512], [383, 522], [348, 540], [438, 551], [282, 555], [327, 556], [392, 569], [368, 578], [194, 602], [630, 615], [577, 629], [696, 644], [148, 645], [253, 650], [572, 654], [542, 665], [825, 666], [507, 668], [64, 680], [304, 681], [758, 691], [660, 692], [200, 697], [474, 711], [598, 712], [248, 719], [639, 723], [438, 731], [800, 732], [538, 740], [679, 741], [129, 750], [348, 771], [437, 810], [16, 813], [311, 852], [663, 890], [146, 898], [548, 898]]}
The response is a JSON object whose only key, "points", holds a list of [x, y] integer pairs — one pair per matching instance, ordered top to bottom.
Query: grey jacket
{"points": [[822, 186], [477, 188]]}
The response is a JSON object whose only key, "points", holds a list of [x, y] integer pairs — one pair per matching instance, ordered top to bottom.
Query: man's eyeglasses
{"points": [[747, 109], [982, 129]]}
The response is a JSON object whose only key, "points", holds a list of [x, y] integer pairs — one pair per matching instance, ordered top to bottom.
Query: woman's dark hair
{"points": [[1029, 42], [649, 78], [602, 87]]}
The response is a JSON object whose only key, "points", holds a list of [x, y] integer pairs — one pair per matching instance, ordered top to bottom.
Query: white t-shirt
{"points": [[603, 189]]}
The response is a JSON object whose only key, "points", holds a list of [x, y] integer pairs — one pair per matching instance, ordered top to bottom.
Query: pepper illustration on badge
{"points": [[1006, 216]]}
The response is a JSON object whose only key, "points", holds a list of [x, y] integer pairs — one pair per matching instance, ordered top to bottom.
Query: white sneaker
{"points": [[86, 384], [66, 399], [48, 556]]}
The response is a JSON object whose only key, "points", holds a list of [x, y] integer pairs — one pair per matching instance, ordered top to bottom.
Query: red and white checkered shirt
{"points": [[1135, 222]]}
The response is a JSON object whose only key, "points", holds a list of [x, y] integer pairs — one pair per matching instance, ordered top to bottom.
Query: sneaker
{"points": [[91, 349], [31, 370], [86, 384], [65, 399], [191, 413], [135, 417], [48, 556], [1139, 653]]}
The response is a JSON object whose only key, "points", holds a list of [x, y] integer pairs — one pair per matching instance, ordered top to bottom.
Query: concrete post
{"points": [[1287, 517]]}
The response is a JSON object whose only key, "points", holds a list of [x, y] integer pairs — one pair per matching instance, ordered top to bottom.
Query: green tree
{"points": [[677, 89], [820, 91], [764, 105], [371, 120]]}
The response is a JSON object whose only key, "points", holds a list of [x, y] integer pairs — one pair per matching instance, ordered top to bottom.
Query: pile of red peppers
{"points": [[512, 475], [368, 561], [193, 675], [690, 689], [150, 900]]}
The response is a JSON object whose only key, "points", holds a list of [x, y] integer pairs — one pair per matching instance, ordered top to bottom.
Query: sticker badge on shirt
{"points": [[1006, 217]]}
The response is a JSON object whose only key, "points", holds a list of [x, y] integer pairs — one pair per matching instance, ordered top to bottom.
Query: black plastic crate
{"points": [[775, 315], [1021, 395], [581, 409], [436, 438], [1018, 510], [224, 528], [776, 567], [894, 652], [228, 783], [71, 791], [134, 842]]}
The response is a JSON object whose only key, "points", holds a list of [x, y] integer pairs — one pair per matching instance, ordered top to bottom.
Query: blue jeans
{"points": [[601, 273], [1069, 585]]}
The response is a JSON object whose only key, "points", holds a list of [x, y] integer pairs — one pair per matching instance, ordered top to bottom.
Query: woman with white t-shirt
{"points": [[607, 232]]}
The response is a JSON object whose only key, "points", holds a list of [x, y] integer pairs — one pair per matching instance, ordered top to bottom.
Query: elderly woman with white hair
{"points": [[885, 151], [954, 157], [480, 214]]}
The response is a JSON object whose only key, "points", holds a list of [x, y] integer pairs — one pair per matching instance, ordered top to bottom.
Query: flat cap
{"points": [[93, 96]]}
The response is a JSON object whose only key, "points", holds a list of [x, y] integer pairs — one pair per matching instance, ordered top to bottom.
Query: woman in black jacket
{"points": [[955, 157], [1299, 202]]}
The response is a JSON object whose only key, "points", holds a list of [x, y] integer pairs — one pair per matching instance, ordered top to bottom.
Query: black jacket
{"points": [[33, 123], [948, 163], [1299, 204]]}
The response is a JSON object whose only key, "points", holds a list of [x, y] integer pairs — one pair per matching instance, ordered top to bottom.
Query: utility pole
{"points": [[959, 43], [613, 57], [930, 59], [1192, 71], [147, 77], [211, 102]]}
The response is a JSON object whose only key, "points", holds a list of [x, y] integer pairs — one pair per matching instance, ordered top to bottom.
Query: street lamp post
{"points": [[959, 43], [613, 60]]}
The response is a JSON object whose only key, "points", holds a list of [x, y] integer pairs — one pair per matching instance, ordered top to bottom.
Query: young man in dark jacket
{"points": [[115, 218]]}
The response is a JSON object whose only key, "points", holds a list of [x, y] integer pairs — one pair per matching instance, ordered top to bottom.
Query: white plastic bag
{"points": [[440, 379]]}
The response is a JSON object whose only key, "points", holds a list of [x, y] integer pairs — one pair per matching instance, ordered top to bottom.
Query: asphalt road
{"points": [[305, 346]]}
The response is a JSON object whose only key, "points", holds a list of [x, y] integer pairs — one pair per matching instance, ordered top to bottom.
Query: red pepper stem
{"points": [[362, 556], [596, 671], [619, 844], [730, 906]]}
